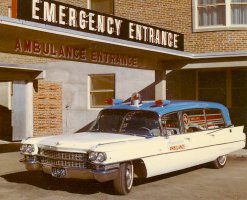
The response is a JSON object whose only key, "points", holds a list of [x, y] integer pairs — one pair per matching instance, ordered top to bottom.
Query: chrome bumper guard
{"points": [[77, 173]]}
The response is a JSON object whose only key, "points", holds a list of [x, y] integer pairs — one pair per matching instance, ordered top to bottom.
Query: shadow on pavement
{"points": [[11, 147], [40, 180], [46, 182]]}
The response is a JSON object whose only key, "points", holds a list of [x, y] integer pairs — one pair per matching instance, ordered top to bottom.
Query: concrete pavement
{"points": [[242, 153]]}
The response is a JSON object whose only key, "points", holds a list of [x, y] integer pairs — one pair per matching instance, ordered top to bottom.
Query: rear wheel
{"points": [[220, 162], [123, 183]]}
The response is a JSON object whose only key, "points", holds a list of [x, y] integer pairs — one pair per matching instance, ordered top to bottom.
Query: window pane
{"points": [[239, 1], [210, 2], [105, 6], [211, 12], [239, 12], [212, 79], [239, 79], [103, 82], [212, 86], [102, 87], [239, 88], [214, 95], [98, 98], [214, 119], [194, 120], [171, 123]]}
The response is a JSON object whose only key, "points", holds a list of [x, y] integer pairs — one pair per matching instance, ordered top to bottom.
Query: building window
{"points": [[103, 6], [239, 11], [211, 12], [219, 14], [212, 86], [102, 87], [239, 88]]}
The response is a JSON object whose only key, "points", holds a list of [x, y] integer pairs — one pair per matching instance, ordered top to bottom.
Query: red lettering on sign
{"points": [[18, 46], [73, 53]]}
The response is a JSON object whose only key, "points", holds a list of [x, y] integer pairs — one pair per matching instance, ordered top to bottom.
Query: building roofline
{"points": [[220, 54]]}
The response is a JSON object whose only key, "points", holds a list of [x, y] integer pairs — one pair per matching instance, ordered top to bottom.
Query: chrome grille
{"points": [[63, 159]]}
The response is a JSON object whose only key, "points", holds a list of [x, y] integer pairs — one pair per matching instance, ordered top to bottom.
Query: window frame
{"points": [[89, 6], [228, 26], [224, 88], [103, 90], [192, 110], [204, 110], [207, 121], [181, 129]]}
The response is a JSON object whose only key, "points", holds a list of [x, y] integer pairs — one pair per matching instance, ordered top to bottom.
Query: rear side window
{"points": [[214, 119], [194, 120], [171, 123]]}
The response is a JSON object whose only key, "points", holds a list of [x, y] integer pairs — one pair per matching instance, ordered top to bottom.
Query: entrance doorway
{"points": [[16, 102], [5, 111]]}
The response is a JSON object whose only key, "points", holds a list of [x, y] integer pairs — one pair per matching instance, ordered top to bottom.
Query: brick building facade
{"points": [[211, 66]]}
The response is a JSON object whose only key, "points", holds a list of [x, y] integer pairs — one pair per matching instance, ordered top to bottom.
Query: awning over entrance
{"points": [[30, 38], [36, 39], [10, 73]]}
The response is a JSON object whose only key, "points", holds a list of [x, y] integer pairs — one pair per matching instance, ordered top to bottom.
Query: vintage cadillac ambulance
{"points": [[138, 139]]}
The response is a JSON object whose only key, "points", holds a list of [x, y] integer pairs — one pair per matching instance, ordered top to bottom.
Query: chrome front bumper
{"points": [[77, 173]]}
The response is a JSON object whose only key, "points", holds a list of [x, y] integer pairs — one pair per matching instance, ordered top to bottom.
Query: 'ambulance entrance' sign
{"points": [[81, 19]]}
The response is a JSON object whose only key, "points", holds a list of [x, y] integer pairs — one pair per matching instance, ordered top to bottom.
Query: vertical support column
{"points": [[160, 84], [29, 107], [22, 112]]}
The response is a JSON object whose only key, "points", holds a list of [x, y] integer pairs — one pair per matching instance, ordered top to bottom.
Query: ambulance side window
{"points": [[214, 119], [194, 120], [170, 123]]}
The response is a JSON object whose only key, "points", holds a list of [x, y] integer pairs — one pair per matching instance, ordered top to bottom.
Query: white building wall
{"points": [[73, 76], [22, 112]]}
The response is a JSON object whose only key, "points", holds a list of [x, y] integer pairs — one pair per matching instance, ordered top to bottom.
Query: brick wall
{"points": [[79, 3], [4, 4], [167, 14], [177, 16], [8, 58], [47, 108]]}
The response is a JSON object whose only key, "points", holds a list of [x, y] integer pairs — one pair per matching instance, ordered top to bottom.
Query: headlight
{"points": [[23, 148], [28, 148], [93, 156], [97, 156], [101, 157]]}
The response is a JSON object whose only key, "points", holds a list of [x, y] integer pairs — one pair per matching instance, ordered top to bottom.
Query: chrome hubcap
{"points": [[222, 160], [129, 176]]}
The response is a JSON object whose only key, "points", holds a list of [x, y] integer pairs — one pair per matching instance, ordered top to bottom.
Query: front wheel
{"points": [[220, 162], [123, 183]]}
